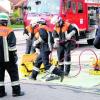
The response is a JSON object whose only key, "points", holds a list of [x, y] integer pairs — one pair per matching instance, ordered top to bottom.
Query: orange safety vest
{"points": [[64, 28], [29, 29], [4, 31]]}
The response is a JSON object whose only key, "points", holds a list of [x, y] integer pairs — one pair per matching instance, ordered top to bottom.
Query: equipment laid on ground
{"points": [[27, 64], [96, 66]]}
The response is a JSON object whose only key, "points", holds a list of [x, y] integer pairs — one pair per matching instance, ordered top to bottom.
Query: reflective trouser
{"points": [[29, 47], [64, 57], [44, 58], [12, 70]]}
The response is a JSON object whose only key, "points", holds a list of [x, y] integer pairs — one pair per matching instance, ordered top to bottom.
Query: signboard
{"points": [[92, 1]]}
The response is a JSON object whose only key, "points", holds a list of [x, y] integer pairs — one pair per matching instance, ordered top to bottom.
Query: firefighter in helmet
{"points": [[63, 33], [29, 35], [45, 39], [8, 57]]}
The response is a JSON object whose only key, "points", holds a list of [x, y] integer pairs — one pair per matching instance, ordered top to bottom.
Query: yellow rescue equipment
{"points": [[27, 64]]}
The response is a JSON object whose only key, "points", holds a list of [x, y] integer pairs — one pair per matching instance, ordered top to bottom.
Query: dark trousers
{"points": [[29, 47], [63, 52], [43, 58], [12, 70]]}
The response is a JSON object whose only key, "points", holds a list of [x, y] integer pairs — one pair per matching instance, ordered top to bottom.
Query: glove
{"points": [[26, 36], [68, 36], [56, 42], [34, 43], [37, 51]]}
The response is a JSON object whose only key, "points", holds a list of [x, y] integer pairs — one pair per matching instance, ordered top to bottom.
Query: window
{"points": [[68, 6], [74, 7], [80, 7]]}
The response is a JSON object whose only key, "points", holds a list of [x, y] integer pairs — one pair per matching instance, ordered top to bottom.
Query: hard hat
{"points": [[4, 16], [55, 19], [34, 21], [42, 21]]}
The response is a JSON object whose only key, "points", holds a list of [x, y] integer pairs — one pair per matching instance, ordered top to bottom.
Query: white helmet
{"points": [[4, 16], [55, 19], [34, 21], [42, 21]]}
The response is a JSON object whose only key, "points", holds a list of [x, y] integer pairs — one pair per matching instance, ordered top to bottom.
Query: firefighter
{"points": [[63, 33], [29, 35], [45, 39], [96, 41], [8, 57]]}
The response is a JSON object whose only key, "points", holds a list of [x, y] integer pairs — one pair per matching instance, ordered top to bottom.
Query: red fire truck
{"points": [[82, 13]]}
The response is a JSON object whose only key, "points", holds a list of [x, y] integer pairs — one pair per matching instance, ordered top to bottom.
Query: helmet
{"points": [[4, 16], [55, 19], [34, 21], [42, 21]]}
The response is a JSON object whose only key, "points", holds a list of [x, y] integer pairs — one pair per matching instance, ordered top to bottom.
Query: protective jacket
{"points": [[59, 32], [46, 38], [96, 42], [7, 44]]}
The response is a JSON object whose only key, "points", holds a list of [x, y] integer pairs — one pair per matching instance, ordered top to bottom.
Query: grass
{"points": [[16, 26]]}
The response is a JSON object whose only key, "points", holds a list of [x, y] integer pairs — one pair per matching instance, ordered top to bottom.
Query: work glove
{"points": [[69, 35], [26, 36], [37, 41], [56, 42], [37, 51]]}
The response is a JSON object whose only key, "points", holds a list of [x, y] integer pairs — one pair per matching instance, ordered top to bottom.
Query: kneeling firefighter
{"points": [[63, 34], [45, 40], [8, 57]]}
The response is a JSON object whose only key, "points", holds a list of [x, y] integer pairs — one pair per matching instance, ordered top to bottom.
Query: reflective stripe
{"points": [[49, 43], [5, 46], [12, 48], [61, 63], [67, 63], [36, 69], [51, 69], [1, 83], [15, 83]]}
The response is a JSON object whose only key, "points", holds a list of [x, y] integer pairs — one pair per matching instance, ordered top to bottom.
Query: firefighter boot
{"points": [[67, 70], [59, 73], [34, 75], [2, 91], [16, 91]]}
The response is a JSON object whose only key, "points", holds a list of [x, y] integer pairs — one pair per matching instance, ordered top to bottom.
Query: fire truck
{"points": [[82, 13]]}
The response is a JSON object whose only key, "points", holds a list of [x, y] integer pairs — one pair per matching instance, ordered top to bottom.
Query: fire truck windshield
{"points": [[44, 6]]}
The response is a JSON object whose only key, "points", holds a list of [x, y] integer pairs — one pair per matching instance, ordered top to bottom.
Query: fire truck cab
{"points": [[82, 13]]}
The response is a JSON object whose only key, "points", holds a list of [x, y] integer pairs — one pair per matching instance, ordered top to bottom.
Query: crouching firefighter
{"points": [[63, 33], [45, 39], [8, 57]]}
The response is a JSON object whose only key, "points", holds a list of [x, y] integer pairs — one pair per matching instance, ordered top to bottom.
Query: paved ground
{"points": [[84, 86]]}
